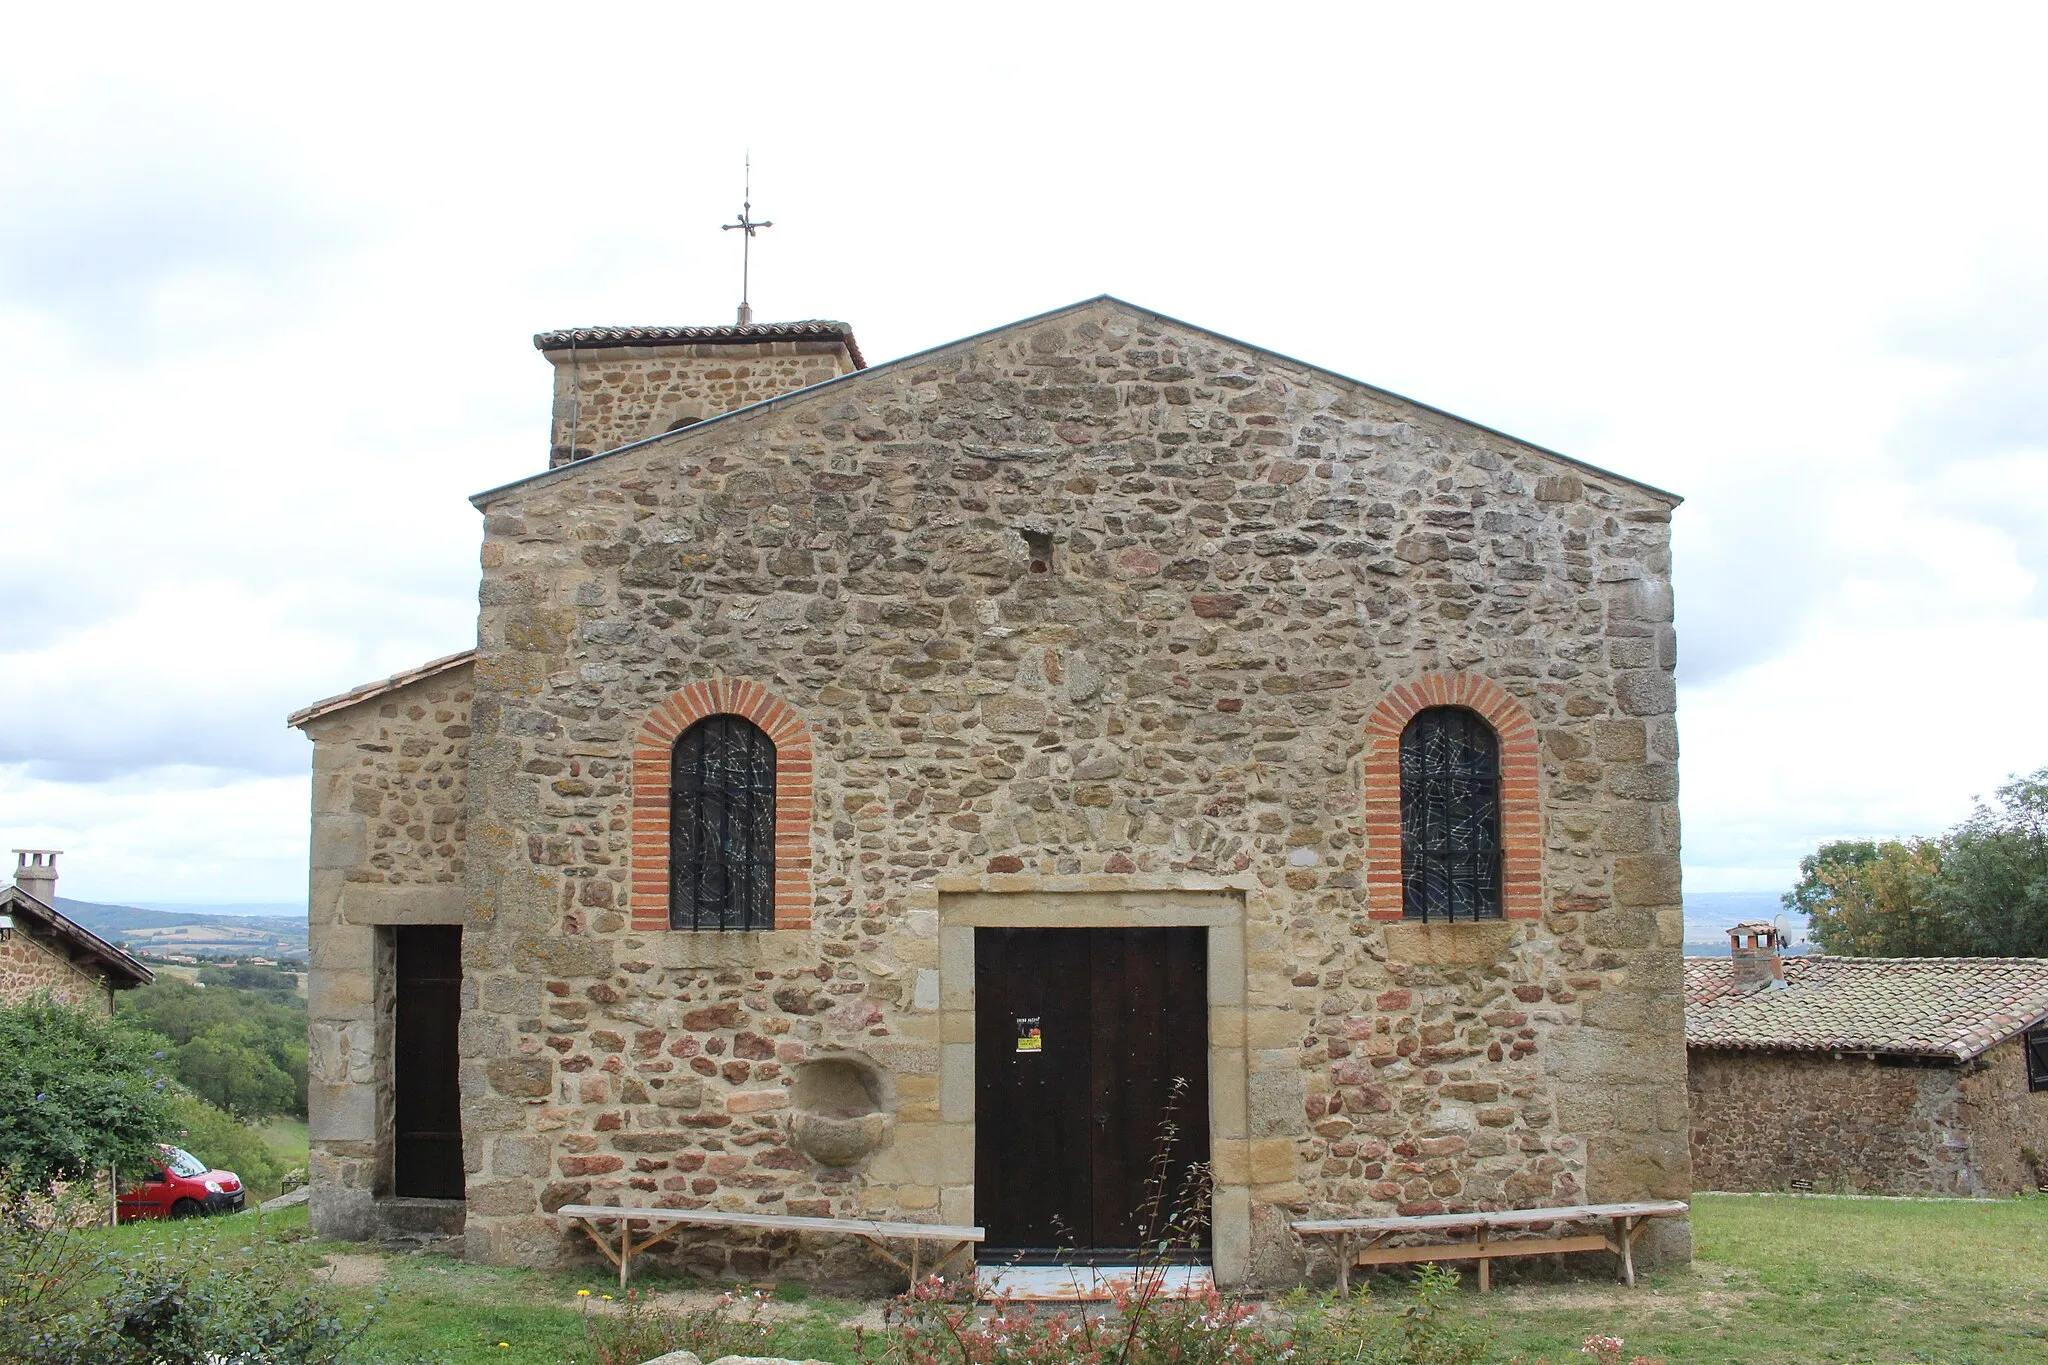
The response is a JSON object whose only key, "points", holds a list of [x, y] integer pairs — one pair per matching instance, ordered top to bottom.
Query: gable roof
{"points": [[813, 329], [577, 467], [369, 691], [76, 940], [1947, 1007]]}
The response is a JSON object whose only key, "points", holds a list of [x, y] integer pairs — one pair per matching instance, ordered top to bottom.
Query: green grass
{"points": [[286, 1139], [1824, 1280], [1853, 1282]]}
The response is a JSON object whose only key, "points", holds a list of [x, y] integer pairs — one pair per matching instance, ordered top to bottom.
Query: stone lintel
{"points": [[382, 903]]}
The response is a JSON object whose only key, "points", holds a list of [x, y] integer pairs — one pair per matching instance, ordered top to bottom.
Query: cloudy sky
{"points": [[268, 279]]}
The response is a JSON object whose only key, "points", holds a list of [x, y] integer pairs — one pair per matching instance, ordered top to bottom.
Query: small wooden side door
{"points": [[1092, 1088], [427, 1099]]}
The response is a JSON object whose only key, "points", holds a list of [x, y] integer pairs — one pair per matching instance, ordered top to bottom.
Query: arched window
{"points": [[1450, 816], [721, 867]]}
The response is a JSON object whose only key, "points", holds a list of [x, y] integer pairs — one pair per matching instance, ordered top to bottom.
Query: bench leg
{"points": [[1626, 1226], [1485, 1265], [1344, 1267]]}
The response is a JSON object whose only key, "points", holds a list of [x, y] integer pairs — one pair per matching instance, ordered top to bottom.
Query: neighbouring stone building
{"points": [[818, 702], [44, 953], [1912, 1076]]}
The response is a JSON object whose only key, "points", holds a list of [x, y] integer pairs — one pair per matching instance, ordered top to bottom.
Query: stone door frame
{"points": [[967, 904]]}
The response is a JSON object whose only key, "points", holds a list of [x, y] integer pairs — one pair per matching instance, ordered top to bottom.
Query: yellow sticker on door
{"points": [[1027, 1034]]}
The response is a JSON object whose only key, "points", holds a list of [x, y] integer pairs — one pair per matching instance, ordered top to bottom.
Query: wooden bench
{"points": [[588, 1216], [1626, 1223]]}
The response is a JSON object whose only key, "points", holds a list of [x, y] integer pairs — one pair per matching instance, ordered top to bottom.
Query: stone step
{"points": [[1089, 1283]]}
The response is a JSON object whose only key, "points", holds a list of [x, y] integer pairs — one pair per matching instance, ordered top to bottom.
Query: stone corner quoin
{"points": [[1102, 600]]}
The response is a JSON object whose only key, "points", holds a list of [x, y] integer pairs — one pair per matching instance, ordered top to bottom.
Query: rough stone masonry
{"points": [[1095, 619]]}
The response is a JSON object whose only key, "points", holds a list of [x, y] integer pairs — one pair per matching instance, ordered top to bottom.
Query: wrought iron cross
{"points": [[747, 225]]}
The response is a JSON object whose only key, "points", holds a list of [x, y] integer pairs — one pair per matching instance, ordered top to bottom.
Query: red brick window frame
{"points": [[652, 751], [1521, 819]]}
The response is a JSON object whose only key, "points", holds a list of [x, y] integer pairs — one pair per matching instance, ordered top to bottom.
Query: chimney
{"points": [[617, 385], [35, 871], [1753, 945]]}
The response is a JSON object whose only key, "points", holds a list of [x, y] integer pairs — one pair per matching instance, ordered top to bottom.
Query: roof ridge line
{"points": [[488, 495]]}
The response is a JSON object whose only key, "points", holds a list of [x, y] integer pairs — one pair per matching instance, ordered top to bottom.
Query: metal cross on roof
{"points": [[748, 226]]}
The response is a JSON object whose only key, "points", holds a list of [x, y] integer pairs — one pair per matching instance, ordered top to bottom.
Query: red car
{"points": [[182, 1187]]}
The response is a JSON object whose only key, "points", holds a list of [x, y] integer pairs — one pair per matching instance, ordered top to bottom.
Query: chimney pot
{"points": [[35, 871], [1757, 963]]}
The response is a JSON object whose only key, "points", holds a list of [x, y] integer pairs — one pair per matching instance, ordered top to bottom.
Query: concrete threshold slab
{"points": [[1090, 1283]]}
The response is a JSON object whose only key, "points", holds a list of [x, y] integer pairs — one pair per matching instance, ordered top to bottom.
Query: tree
{"points": [[1994, 882], [1981, 889], [1863, 898], [241, 1051], [230, 1066], [78, 1092], [217, 1139]]}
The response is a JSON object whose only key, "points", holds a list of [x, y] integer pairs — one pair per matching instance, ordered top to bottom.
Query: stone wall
{"points": [[606, 398], [1242, 558], [389, 838], [30, 967], [1855, 1124], [2006, 1124]]}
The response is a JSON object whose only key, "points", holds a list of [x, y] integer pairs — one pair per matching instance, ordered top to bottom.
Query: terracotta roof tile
{"points": [[814, 329], [355, 696], [1954, 1007]]}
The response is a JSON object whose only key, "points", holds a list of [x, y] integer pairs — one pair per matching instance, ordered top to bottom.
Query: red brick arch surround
{"points": [[652, 748], [1521, 818]]}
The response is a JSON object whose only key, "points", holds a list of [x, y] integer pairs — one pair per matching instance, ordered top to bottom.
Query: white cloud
{"points": [[186, 834]]}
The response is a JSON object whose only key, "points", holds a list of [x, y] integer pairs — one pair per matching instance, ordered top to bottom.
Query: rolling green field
{"points": [[286, 1139], [1868, 1282]]}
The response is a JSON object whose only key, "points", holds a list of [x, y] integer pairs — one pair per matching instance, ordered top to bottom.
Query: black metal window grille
{"points": [[1450, 816], [721, 857], [2037, 1057]]}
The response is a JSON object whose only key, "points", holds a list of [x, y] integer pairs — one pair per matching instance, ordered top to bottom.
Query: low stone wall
{"points": [[1854, 1124]]}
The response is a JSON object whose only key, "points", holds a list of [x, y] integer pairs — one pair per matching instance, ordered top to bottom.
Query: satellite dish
{"points": [[1782, 926]]}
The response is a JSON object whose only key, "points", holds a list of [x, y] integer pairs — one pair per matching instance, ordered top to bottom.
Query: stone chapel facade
{"points": [[1098, 623]]}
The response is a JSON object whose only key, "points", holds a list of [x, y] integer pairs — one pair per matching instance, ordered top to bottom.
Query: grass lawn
{"points": [[286, 1139], [1774, 1280], [1837, 1280]]}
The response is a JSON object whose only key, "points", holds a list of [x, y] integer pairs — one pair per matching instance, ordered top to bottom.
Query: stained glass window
{"points": [[1450, 816], [721, 862]]}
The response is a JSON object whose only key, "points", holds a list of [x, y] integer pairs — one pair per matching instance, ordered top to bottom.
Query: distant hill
{"points": [[264, 909], [1709, 915], [190, 930]]}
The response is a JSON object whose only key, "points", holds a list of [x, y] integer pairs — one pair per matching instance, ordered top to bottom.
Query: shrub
{"points": [[79, 1092], [47, 1261], [167, 1307]]}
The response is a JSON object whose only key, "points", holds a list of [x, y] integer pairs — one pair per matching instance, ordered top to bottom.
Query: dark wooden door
{"points": [[1088, 1134], [427, 1155]]}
